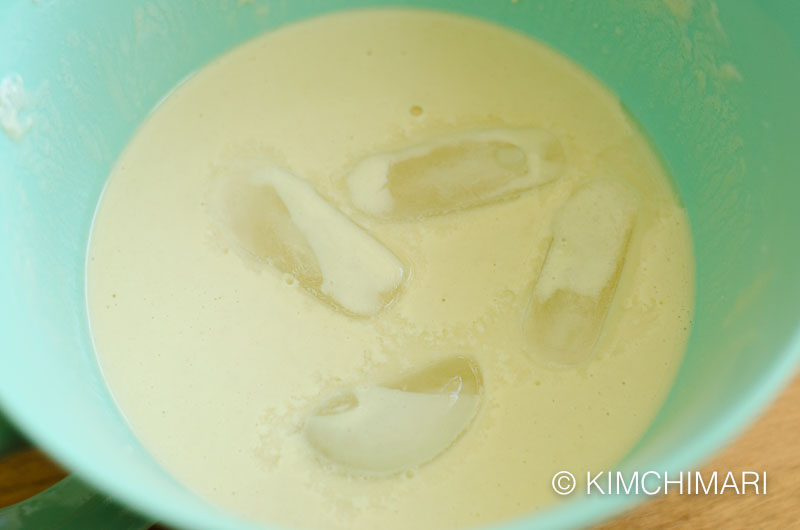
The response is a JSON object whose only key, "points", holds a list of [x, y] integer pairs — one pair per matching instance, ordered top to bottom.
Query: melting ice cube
{"points": [[454, 171], [278, 217], [573, 295], [378, 430]]}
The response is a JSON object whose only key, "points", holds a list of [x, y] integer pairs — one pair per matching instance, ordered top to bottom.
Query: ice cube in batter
{"points": [[454, 171], [278, 218], [573, 295], [378, 430]]}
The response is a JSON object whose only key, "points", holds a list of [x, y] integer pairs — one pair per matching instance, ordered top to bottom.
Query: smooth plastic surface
{"points": [[715, 85]]}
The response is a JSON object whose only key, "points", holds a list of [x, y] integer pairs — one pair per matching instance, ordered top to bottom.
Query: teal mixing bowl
{"points": [[716, 86]]}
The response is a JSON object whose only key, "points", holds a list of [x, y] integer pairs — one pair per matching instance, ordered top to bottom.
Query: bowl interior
{"points": [[715, 88]]}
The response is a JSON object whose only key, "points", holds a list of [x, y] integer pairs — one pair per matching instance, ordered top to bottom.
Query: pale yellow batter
{"points": [[229, 333]]}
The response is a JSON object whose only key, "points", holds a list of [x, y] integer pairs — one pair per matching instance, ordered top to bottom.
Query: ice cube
{"points": [[454, 171], [277, 217], [572, 297], [379, 430]]}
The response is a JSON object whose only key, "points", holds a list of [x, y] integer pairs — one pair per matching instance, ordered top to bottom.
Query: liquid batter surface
{"points": [[388, 269]]}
